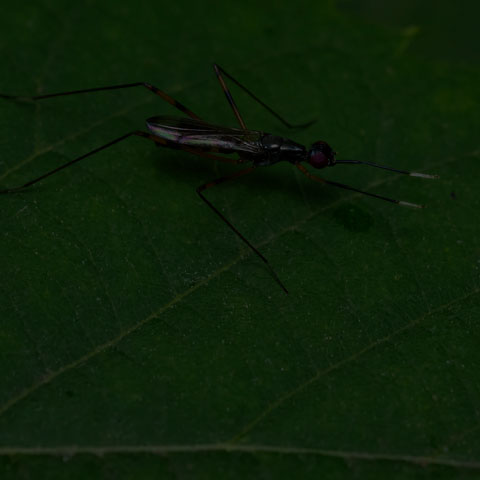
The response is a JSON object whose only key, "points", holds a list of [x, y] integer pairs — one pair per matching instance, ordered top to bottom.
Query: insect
{"points": [[255, 148]]}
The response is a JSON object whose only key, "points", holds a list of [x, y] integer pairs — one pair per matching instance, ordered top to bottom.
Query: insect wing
{"points": [[199, 134]]}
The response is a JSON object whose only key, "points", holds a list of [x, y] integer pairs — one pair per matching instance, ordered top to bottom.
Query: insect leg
{"points": [[219, 70], [150, 87], [159, 141], [75, 160], [385, 167], [347, 187], [220, 214]]}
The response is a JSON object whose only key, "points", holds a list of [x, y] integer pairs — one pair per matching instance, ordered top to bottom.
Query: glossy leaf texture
{"points": [[139, 338]]}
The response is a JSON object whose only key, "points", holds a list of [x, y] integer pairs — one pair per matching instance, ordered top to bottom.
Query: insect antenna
{"points": [[385, 167]]}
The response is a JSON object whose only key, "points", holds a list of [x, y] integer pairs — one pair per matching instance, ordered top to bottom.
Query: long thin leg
{"points": [[219, 70], [150, 87], [159, 141], [71, 162], [385, 167], [346, 187], [220, 214]]}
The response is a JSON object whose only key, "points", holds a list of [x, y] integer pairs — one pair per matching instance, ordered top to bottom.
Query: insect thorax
{"points": [[277, 149]]}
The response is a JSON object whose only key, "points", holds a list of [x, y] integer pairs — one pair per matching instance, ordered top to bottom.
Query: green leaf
{"points": [[140, 338]]}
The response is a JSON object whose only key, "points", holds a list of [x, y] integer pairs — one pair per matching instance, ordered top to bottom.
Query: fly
{"points": [[255, 148]]}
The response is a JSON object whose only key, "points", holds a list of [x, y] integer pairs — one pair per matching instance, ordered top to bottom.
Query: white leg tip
{"points": [[423, 175], [412, 205]]}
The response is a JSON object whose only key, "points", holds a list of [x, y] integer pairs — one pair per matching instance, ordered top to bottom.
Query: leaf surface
{"points": [[134, 323]]}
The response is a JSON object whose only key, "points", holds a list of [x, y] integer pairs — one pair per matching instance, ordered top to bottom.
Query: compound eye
{"points": [[318, 160]]}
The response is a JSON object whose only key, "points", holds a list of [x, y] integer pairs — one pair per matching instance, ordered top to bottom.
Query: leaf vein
{"points": [[354, 356], [71, 450]]}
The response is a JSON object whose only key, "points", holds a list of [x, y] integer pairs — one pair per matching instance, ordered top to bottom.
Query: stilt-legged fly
{"points": [[252, 147]]}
